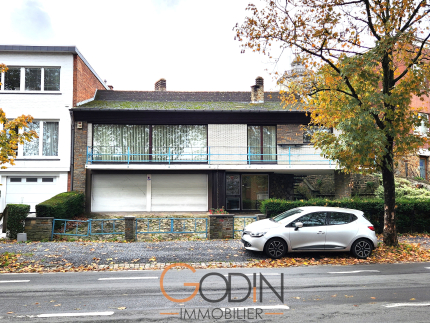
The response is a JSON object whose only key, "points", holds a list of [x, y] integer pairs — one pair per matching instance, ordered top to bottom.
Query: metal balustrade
{"points": [[211, 155]]}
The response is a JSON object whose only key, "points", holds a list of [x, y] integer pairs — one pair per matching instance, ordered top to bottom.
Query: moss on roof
{"points": [[180, 105]]}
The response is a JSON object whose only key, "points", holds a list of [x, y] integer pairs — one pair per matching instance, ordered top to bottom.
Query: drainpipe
{"points": [[72, 156]]}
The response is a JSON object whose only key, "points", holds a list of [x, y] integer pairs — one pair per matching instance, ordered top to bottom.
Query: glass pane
{"points": [[12, 79], [33, 79], [52, 79], [50, 139], [120, 142], [254, 142], [179, 143], [269, 143], [32, 148], [232, 183], [255, 188], [233, 203], [340, 218], [313, 219]]}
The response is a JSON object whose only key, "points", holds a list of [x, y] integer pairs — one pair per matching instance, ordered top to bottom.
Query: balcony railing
{"points": [[283, 155]]}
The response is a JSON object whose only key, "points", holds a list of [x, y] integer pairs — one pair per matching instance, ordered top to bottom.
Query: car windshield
{"points": [[286, 214]]}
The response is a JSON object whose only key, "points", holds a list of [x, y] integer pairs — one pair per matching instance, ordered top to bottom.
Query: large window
{"points": [[34, 79], [309, 132], [158, 143], [262, 143], [46, 144]]}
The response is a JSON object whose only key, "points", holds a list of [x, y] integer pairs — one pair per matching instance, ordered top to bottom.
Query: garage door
{"points": [[31, 190], [118, 192], [179, 192]]}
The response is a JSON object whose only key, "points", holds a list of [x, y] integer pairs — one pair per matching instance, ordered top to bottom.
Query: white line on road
{"points": [[427, 267], [354, 272], [269, 274], [119, 278], [14, 281], [406, 304], [269, 307], [76, 314]]}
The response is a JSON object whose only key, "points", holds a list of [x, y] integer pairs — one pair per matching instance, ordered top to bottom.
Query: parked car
{"points": [[312, 228]]}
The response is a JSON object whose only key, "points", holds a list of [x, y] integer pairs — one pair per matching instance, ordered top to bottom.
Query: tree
{"points": [[365, 61], [11, 135]]}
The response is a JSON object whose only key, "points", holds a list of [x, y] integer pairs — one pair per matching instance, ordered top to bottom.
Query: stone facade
{"points": [[289, 134], [80, 155], [409, 167], [281, 186], [221, 226], [130, 228], [38, 229]]}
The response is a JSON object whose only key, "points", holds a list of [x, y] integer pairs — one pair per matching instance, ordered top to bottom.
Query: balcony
{"points": [[218, 155]]}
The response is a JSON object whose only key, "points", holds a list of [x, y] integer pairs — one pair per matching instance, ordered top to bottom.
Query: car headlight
{"points": [[257, 234]]}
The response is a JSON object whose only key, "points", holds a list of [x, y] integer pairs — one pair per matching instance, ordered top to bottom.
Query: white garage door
{"points": [[31, 190], [118, 192], [179, 192]]}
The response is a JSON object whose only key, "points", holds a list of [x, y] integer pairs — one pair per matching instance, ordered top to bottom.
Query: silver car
{"points": [[312, 228]]}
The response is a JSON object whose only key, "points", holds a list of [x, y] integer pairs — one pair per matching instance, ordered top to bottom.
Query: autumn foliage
{"points": [[363, 63]]}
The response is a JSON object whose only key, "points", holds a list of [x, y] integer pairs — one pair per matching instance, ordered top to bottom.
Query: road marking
{"points": [[427, 267], [354, 272], [269, 274], [120, 278], [14, 281], [406, 304], [272, 307], [76, 314]]}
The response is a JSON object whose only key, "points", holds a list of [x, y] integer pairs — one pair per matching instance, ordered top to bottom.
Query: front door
{"points": [[246, 191]]}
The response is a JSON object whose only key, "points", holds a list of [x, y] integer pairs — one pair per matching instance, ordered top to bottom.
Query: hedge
{"points": [[62, 206], [16, 214], [412, 215]]}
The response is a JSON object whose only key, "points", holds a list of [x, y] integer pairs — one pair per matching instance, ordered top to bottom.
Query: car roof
{"points": [[330, 209]]}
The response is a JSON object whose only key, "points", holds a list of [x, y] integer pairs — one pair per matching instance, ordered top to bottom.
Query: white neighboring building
{"points": [[44, 82]]}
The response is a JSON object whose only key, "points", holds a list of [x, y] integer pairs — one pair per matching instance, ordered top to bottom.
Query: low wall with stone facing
{"points": [[221, 226], [38, 229]]}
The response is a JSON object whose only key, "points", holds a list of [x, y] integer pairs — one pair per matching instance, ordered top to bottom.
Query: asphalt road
{"points": [[367, 293]]}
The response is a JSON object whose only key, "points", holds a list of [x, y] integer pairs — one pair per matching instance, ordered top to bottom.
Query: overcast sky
{"points": [[133, 43]]}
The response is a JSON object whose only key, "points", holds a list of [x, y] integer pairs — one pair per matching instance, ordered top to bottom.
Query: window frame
{"points": [[23, 80], [261, 145], [20, 152]]}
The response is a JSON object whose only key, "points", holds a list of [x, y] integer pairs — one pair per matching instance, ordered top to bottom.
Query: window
{"points": [[12, 79], [34, 79], [423, 128], [309, 131], [157, 143], [262, 143], [46, 144], [31, 179], [47, 179], [15, 180], [337, 218], [313, 219]]}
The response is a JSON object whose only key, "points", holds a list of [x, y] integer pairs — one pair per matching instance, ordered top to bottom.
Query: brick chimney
{"points": [[160, 85], [110, 87], [257, 91]]}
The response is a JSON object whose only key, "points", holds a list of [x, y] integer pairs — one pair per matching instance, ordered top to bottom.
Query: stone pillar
{"points": [[342, 185], [261, 217], [221, 226], [130, 228], [38, 229]]}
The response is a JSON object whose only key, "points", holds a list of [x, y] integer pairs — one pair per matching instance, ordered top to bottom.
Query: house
{"points": [[44, 82], [190, 151]]}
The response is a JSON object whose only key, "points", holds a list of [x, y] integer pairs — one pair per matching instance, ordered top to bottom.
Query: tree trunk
{"points": [[390, 231]]}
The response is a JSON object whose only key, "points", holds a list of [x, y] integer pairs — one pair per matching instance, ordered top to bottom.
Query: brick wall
{"points": [[85, 83], [287, 134], [80, 154], [409, 167], [281, 186], [38, 229]]}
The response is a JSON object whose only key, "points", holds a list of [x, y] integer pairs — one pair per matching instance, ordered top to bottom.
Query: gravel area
{"points": [[106, 253]]}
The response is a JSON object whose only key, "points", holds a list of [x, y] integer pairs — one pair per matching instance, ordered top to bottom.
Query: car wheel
{"points": [[275, 248], [362, 248]]}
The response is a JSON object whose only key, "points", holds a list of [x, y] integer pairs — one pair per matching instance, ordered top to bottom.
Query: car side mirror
{"points": [[298, 225]]}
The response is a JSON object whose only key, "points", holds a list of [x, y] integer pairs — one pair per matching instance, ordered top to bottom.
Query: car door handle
{"points": [[320, 232]]}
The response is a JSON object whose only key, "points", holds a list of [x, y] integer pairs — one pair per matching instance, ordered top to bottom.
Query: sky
{"points": [[134, 43]]}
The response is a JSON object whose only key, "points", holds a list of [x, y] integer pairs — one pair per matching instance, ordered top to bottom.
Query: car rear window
{"points": [[337, 218]]}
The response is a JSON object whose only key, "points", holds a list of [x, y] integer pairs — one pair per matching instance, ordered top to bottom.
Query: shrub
{"points": [[62, 206], [16, 214], [413, 215]]}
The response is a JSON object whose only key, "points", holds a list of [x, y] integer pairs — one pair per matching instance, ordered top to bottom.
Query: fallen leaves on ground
{"points": [[381, 255]]}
